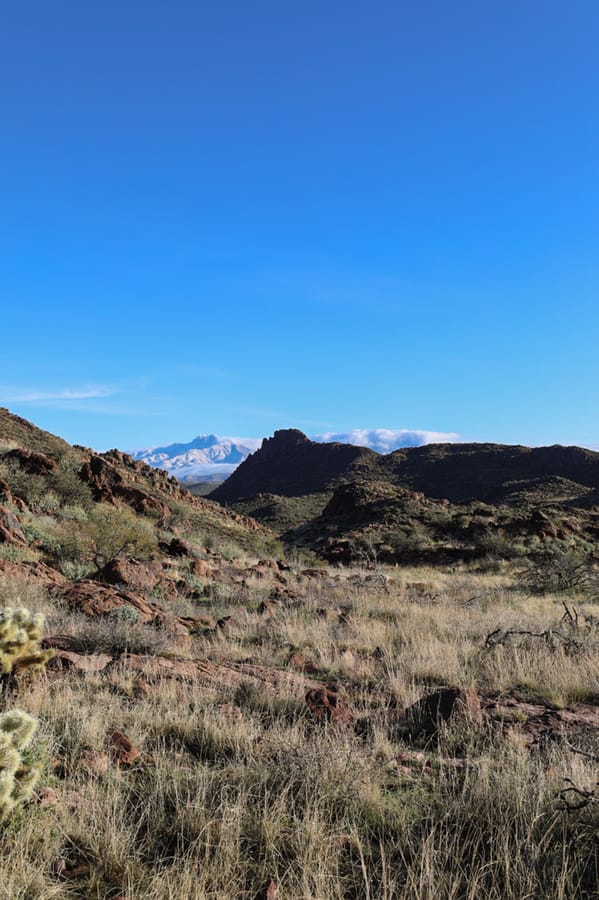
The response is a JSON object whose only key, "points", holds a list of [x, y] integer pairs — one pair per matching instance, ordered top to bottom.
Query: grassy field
{"points": [[241, 792]]}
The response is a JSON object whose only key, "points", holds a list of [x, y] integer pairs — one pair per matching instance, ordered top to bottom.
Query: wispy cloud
{"points": [[53, 396], [385, 440]]}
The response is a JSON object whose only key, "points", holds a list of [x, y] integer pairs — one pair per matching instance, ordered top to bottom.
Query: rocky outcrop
{"points": [[31, 462], [108, 485], [10, 528], [34, 571], [131, 573], [96, 599], [326, 705], [124, 751]]}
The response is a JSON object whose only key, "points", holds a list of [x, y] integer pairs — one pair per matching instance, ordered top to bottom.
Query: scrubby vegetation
{"points": [[221, 720]]}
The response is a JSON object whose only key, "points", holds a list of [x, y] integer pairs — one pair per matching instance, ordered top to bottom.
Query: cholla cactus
{"points": [[20, 634], [17, 780]]}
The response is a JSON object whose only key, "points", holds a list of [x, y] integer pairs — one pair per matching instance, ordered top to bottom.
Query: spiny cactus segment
{"points": [[20, 634], [17, 781]]}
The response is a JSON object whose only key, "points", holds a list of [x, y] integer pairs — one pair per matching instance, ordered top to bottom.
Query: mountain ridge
{"points": [[212, 457], [290, 464]]}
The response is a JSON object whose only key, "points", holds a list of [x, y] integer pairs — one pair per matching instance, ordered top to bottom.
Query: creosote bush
{"points": [[108, 532]]}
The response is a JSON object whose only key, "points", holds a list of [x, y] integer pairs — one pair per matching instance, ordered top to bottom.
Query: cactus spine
{"points": [[20, 634], [17, 780]]}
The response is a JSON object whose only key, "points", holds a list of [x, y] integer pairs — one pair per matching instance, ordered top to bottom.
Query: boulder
{"points": [[33, 463], [10, 528], [34, 571], [130, 573], [95, 599], [302, 662], [326, 705], [427, 714], [124, 751], [94, 761]]}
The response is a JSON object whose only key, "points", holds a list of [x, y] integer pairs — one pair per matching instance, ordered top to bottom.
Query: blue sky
{"points": [[232, 217]]}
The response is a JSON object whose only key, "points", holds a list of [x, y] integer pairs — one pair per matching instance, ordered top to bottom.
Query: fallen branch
{"points": [[499, 636], [581, 752], [580, 798]]}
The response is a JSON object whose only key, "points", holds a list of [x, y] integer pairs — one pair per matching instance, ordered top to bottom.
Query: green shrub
{"points": [[108, 532]]}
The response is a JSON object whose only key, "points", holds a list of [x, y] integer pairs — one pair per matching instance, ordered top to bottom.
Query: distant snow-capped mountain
{"points": [[207, 458], [212, 458]]}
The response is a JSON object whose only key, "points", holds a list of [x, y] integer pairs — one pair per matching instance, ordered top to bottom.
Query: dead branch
{"points": [[499, 636], [573, 797]]}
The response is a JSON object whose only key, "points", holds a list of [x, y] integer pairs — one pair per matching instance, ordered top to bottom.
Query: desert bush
{"points": [[67, 484], [107, 532], [76, 569], [557, 570]]}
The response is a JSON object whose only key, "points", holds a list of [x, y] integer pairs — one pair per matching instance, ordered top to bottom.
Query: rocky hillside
{"points": [[289, 464], [53, 494], [434, 503]]}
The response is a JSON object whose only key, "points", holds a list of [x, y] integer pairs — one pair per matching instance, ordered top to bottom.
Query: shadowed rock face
{"points": [[289, 464]]}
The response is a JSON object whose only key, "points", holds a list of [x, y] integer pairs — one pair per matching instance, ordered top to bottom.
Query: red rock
{"points": [[32, 462], [108, 484], [10, 528], [179, 548], [201, 569], [33, 571], [130, 573], [96, 599], [268, 607], [80, 662], [302, 662], [218, 678], [326, 706], [125, 753], [95, 761], [45, 797], [272, 891]]}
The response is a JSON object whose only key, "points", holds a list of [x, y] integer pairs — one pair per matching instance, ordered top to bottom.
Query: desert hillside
{"points": [[192, 709]]}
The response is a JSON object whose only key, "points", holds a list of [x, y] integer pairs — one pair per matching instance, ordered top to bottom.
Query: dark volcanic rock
{"points": [[289, 464], [447, 703]]}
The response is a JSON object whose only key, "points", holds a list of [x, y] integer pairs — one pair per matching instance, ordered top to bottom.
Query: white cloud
{"points": [[62, 395], [385, 440]]}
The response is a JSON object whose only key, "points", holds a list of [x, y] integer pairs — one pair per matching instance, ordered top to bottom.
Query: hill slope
{"points": [[289, 464], [434, 503]]}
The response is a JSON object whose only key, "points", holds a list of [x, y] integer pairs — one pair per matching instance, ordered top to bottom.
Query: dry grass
{"points": [[242, 789]]}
